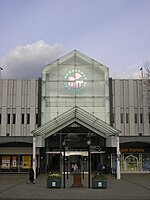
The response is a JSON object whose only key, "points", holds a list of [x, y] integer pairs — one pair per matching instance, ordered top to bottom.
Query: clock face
{"points": [[75, 79]]}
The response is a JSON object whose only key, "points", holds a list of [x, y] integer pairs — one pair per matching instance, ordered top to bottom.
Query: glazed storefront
{"points": [[74, 140], [16, 154], [135, 159], [15, 163]]}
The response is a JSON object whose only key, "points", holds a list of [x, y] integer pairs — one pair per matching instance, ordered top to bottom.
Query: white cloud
{"points": [[26, 61], [130, 71], [124, 75]]}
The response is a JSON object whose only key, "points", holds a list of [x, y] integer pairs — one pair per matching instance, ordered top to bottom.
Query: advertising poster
{"points": [[14, 161], [5, 162], [26, 162]]}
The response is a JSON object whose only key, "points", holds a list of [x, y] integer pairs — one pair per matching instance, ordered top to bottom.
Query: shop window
{"points": [[8, 118], [14, 118], [22, 118], [28, 118], [5, 162], [26, 162], [146, 162], [9, 163], [15, 163], [131, 163]]}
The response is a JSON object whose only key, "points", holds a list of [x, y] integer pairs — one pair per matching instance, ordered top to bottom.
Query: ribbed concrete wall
{"points": [[18, 98], [131, 107]]}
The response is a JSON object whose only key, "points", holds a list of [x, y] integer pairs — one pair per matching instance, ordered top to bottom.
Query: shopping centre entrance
{"points": [[77, 137], [77, 149], [76, 152], [80, 158]]}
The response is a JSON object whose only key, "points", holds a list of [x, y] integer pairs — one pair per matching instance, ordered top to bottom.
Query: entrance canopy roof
{"points": [[80, 116]]}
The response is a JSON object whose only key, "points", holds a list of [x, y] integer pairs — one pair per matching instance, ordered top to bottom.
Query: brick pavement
{"points": [[130, 187]]}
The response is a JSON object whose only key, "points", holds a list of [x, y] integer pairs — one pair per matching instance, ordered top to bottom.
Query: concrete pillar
{"points": [[34, 156], [118, 159]]}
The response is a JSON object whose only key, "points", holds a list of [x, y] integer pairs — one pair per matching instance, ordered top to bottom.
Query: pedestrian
{"points": [[74, 167], [100, 168], [31, 175]]}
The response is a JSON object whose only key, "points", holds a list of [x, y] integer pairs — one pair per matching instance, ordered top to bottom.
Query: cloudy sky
{"points": [[33, 33]]}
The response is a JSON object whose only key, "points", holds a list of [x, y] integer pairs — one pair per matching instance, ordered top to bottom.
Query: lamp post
{"points": [[0, 71], [34, 155], [118, 158], [89, 161], [64, 163]]}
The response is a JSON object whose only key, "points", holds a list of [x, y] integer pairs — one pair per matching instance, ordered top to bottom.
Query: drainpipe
{"points": [[118, 159]]}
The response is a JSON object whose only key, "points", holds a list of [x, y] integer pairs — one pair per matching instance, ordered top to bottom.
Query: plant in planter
{"points": [[54, 181], [99, 181]]}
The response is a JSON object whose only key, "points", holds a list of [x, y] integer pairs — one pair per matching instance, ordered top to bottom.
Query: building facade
{"points": [[73, 103], [131, 111], [18, 117]]}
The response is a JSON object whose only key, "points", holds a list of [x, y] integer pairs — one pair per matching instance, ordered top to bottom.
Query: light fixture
{"points": [[89, 142]]}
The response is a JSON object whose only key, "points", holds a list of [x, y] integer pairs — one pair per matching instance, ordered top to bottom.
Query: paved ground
{"points": [[130, 187]]}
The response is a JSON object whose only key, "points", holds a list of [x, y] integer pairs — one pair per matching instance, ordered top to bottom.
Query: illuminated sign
{"points": [[75, 79]]}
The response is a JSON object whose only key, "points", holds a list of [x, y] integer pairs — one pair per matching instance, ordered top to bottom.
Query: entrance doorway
{"points": [[73, 142], [80, 158], [97, 158]]}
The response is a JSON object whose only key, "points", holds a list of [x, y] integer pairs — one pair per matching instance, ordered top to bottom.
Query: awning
{"points": [[80, 116]]}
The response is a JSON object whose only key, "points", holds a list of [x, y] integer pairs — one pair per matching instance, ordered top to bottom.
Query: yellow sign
{"points": [[26, 162]]}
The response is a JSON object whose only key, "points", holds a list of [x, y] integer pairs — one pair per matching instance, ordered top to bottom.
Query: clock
{"points": [[75, 80]]}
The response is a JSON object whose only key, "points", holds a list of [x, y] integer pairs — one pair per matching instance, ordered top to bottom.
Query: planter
{"points": [[54, 182], [99, 182]]}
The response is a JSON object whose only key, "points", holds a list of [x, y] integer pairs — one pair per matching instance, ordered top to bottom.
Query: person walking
{"points": [[31, 175]]}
